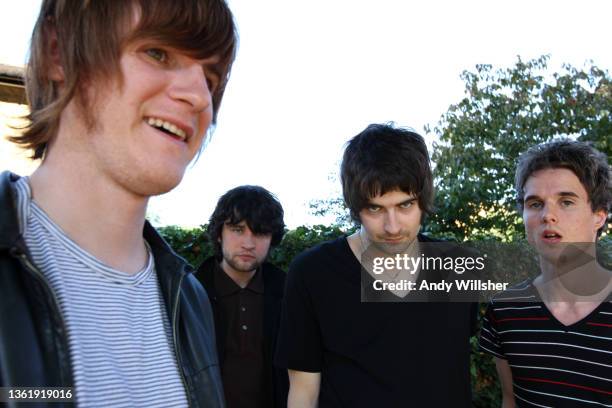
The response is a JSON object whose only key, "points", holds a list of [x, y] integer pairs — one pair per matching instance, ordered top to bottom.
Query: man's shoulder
{"points": [[8, 177], [8, 211], [426, 238], [439, 246], [322, 253], [324, 262], [169, 266], [272, 271], [204, 272], [274, 279], [193, 290]]}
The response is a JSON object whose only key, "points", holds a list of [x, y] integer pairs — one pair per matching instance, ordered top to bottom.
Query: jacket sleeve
{"points": [[198, 345]]}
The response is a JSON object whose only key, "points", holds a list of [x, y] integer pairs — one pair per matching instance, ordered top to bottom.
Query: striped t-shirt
{"points": [[118, 328], [552, 365]]}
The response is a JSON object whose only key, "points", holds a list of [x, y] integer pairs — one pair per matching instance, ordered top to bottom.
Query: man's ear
{"points": [[56, 71], [601, 217]]}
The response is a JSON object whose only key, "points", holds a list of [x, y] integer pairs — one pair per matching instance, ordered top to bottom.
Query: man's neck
{"points": [[100, 217], [365, 255], [240, 278], [589, 282]]}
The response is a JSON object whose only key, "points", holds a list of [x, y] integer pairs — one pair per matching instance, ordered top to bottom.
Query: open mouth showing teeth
{"points": [[167, 127], [552, 236]]}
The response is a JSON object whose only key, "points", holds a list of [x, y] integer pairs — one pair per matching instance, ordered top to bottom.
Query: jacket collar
{"points": [[8, 211], [165, 257], [170, 267], [226, 286]]}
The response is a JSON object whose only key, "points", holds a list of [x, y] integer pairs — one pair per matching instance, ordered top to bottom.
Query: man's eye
{"points": [[157, 54], [567, 203], [407, 204], [534, 205], [373, 208]]}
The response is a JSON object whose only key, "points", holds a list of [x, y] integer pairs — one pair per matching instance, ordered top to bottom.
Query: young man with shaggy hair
{"points": [[122, 95], [246, 293], [551, 335], [394, 351]]}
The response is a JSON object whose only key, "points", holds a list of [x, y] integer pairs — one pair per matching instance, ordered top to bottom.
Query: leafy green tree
{"points": [[504, 112], [334, 207], [190, 243]]}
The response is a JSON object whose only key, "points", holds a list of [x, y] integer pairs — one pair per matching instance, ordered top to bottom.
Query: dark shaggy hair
{"points": [[383, 158], [588, 164], [255, 205]]}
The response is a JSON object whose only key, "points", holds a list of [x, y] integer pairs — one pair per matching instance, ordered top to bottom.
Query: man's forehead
{"points": [[554, 181]]}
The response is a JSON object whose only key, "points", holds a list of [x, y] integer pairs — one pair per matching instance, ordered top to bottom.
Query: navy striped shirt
{"points": [[552, 365]]}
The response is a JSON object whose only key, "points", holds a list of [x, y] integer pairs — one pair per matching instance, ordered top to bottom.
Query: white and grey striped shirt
{"points": [[118, 329]]}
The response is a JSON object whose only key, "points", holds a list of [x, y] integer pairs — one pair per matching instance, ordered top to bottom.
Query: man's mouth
{"points": [[167, 127], [551, 236], [393, 239], [246, 259]]}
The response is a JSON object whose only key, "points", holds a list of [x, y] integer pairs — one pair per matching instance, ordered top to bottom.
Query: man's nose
{"points": [[190, 86], [549, 215], [392, 226], [248, 240]]}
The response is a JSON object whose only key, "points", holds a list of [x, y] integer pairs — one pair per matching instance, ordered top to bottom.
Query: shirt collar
{"points": [[226, 286]]}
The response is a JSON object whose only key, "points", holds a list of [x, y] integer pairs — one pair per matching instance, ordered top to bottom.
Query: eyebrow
{"points": [[561, 194], [568, 194], [408, 201]]}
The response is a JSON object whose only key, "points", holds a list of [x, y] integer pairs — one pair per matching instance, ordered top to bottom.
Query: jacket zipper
{"points": [[54, 303], [174, 340]]}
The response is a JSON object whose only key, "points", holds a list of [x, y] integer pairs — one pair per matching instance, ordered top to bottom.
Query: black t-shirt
{"points": [[401, 354]]}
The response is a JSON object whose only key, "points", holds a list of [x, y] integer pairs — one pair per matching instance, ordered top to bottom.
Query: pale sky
{"points": [[309, 75]]}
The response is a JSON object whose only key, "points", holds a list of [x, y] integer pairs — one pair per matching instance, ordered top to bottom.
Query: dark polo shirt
{"points": [[243, 360]]}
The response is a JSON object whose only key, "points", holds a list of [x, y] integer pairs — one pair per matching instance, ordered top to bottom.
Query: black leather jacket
{"points": [[33, 342]]}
